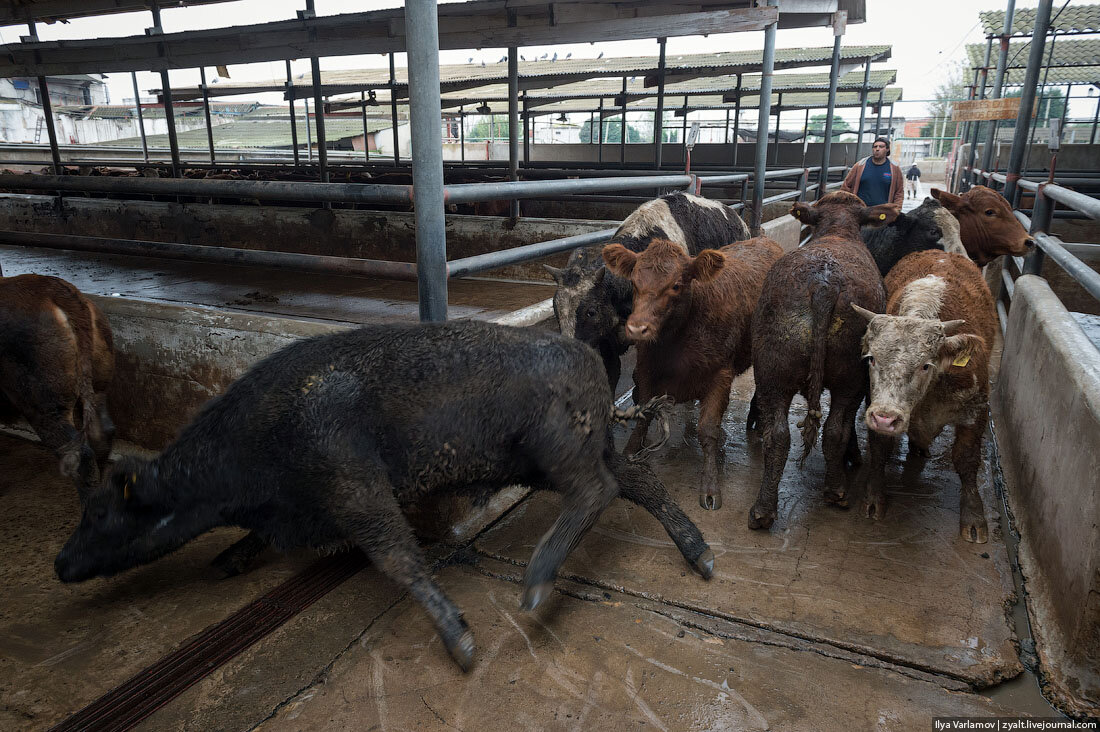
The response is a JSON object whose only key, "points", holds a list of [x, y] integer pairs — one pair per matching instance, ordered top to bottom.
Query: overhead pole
{"points": [[422, 20], [840, 20], [999, 80], [318, 99], [1027, 99], [47, 107], [863, 108], [393, 112], [206, 113], [659, 115], [878, 116], [140, 117], [513, 118], [778, 118], [736, 120], [1095, 120], [293, 121], [622, 128], [309, 131], [366, 133], [599, 135], [971, 156], [761, 160]]}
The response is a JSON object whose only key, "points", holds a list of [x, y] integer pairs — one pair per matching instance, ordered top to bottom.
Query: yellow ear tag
{"points": [[797, 213], [882, 217], [961, 360], [126, 491]]}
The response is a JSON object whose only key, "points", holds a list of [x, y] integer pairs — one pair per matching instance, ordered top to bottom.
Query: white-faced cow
{"points": [[928, 358]]}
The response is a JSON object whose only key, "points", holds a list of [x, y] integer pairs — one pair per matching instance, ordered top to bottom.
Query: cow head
{"points": [[843, 213], [986, 224], [662, 276], [573, 283], [600, 316], [904, 356], [126, 521]]}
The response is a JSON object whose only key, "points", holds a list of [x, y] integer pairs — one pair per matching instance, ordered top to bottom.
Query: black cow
{"points": [[910, 232], [591, 304], [324, 442]]}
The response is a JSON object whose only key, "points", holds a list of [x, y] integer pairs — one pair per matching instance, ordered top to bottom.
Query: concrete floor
{"points": [[257, 289], [827, 622]]}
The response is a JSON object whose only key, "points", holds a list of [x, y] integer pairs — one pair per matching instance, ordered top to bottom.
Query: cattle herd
{"points": [[325, 443]]}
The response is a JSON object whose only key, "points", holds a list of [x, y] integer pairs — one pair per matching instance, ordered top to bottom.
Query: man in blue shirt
{"points": [[876, 179]]}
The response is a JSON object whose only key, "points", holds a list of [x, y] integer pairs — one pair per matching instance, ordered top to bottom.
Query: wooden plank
{"points": [[981, 110]]}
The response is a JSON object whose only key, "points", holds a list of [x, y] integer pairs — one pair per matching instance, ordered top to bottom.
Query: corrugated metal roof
{"points": [[1070, 19], [1067, 52], [564, 69], [1064, 75], [811, 100], [123, 111], [258, 133]]}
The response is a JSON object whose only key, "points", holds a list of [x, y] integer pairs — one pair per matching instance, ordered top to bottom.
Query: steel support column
{"points": [[422, 41], [984, 76], [1031, 80], [998, 81], [166, 91], [863, 108], [47, 110], [319, 110], [206, 113], [393, 113], [659, 115], [878, 116], [140, 117], [778, 118], [1095, 119], [736, 120], [293, 121], [513, 122], [527, 125], [622, 128], [309, 132], [366, 133], [461, 134], [599, 135], [805, 137], [827, 140], [761, 158]]}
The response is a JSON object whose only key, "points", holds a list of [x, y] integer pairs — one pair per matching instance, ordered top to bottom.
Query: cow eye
{"points": [[990, 212], [675, 288], [591, 312], [869, 360], [926, 366]]}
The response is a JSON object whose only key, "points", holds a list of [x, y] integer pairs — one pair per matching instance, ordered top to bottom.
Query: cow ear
{"points": [[948, 200], [805, 213], [882, 215], [620, 260], [707, 265], [554, 272], [600, 273], [867, 314], [957, 350]]}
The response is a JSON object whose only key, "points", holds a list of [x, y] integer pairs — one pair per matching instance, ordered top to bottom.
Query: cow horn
{"points": [[554, 272], [867, 314], [950, 325]]}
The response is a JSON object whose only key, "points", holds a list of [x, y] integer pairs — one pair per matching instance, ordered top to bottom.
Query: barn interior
{"points": [[211, 246]]}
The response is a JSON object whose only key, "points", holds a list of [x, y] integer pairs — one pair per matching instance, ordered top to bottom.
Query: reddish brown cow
{"points": [[986, 224], [690, 321], [805, 339], [56, 362], [929, 364]]}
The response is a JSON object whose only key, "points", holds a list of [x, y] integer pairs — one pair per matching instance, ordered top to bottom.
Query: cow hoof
{"points": [[837, 498], [710, 501], [874, 508], [760, 519], [974, 531], [704, 565], [534, 596], [463, 651]]}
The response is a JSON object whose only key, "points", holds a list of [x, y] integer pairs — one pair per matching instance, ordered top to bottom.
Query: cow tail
{"points": [[822, 304]]}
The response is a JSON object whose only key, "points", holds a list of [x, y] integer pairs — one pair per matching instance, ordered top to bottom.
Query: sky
{"points": [[927, 37]]}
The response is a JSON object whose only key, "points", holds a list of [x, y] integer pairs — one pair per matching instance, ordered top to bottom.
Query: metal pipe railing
{"points": [[492, 260]]}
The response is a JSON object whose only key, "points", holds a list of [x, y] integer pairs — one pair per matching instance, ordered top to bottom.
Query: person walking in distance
{"points": [[876, 179], [912, 181]]}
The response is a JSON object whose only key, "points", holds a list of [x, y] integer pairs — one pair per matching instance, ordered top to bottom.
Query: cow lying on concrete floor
{"points": [[987, 226], [593, 305], [690, 321], [803, 340], [928, 359], [56, 363], [322, 443]]}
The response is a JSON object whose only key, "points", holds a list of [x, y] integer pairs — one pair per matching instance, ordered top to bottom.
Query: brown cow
{"points": [[987, 226], [690, 321], [804, 339], [56, 362], [929, 363]]}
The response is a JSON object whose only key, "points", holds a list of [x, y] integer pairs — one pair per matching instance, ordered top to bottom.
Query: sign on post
{"points": [[982, 110], [693, 135]]}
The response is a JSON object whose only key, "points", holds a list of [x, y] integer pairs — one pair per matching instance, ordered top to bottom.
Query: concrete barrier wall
{"points": [[785, 230], [1047, 409]]}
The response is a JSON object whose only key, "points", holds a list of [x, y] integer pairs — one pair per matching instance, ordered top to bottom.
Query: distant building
{"points": [[21, 115]]}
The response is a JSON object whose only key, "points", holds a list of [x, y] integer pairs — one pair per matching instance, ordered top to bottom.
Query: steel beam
{"points": [[998, 82], [1027, 100], [863, 108], [206, 114], [393, 114], [659, 115], [140, 117], [293, 122], [513, 124], [827, 141], [761, 161]]}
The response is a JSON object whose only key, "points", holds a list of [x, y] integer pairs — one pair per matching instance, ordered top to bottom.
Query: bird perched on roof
{"points": [[569, 55], [543, 56], [555, 56], [600, 56], [521, 58], [503, 59], [470, 60], [483, 63]]}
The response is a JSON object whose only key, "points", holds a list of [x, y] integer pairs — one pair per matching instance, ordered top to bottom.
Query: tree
{"points": [[947, 93], [1053, 105], [494, 126], [817, 127], [612, 131]]}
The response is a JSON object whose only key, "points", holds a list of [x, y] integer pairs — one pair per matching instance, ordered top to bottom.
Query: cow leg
{"points": [[612, 364], [641, 395], [711, 409], [752, 419], [839, 427], [101, 431], [920, 440], [777, 444], [879, 448], [966, 454], [641, 487], [586, 491], [382, 531], [238, 557]]}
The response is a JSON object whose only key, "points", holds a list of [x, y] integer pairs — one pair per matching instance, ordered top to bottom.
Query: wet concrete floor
{"points": [[258, 289], [827, 622]]}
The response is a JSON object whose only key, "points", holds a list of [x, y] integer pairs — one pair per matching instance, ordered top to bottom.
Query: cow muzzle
{"points": [[639, 331], [885, 421]]}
